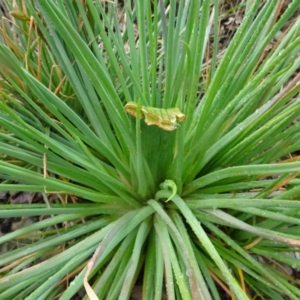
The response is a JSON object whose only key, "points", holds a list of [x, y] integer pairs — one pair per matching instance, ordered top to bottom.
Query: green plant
{"points": [[185, 205]]}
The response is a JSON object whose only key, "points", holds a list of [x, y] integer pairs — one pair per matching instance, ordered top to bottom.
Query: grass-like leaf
{"points": [[162, 158]]}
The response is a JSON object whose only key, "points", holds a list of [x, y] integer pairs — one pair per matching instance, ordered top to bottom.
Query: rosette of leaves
{"points": [[176, 169]]}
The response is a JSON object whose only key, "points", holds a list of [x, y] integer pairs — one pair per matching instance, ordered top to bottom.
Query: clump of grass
{"points": [[178, 155]]}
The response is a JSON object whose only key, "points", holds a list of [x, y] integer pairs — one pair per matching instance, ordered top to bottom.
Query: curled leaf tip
{"points": [[166, 119], [169, 184]]}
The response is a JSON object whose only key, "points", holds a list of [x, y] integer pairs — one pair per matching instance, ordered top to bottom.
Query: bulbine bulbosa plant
{"points": [[155, 158]]}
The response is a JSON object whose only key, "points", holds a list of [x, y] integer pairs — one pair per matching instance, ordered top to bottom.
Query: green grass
{"points": [[161, 160]]}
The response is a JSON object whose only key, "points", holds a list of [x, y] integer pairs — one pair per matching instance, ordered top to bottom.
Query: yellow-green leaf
{"points": [[166, 119]]}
